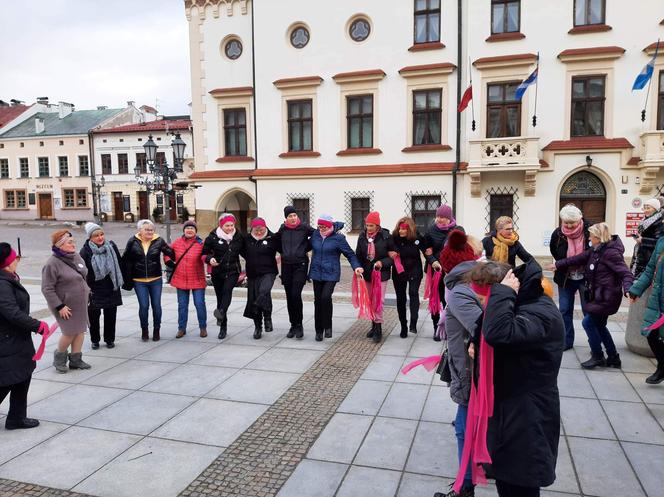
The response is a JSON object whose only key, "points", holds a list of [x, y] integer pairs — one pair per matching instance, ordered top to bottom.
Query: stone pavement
{"points": [[198, 417]]}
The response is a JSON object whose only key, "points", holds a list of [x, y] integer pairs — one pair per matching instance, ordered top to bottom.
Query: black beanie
{"points": [[288, 210], [5, 250]]}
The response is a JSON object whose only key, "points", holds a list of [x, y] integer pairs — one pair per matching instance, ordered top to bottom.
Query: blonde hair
{"points": [[570, 213], [502, 221], [601, 231], [475, 244]]}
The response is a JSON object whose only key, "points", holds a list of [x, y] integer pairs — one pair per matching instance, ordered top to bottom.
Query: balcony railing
{"points": [[514, 153]]}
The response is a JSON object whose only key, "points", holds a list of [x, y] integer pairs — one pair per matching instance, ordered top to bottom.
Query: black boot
{"points": [[222, 321], [268, 324], [413, 327], [258, 329], [404, 330], [291, 332], [299, 332], [371, 332], [328, 333], [145, 334], [378, 334], [155, 335], [319, 335], [594, 361], [613, 361], [657, 377], [21, 424]]}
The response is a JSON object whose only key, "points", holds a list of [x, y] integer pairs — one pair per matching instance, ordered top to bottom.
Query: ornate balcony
{"points": [[519, 153], [650, 159]]}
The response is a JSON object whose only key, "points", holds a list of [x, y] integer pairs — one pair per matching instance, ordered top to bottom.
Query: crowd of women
{"points": [[503, 335]]}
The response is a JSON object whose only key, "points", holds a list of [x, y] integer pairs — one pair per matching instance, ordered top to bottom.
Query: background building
{"points": [[350, 107]]}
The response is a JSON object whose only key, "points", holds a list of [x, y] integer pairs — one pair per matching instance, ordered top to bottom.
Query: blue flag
{"points": [[646, 73], [521, 89]]}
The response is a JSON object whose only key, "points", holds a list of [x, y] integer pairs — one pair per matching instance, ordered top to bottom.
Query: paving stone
{"points": [[246, 337], [396, 346], [425, 346], [176, 351], [229, 356], [285, 360], [570, 360], [99, 365], [383, 368], [132, 374], [417, 375], [190, 379], [574, 383], [254, 386], [610, 386], [39, 390], [651, 394], [366, 397], [405, 401], [439, 406], [584, 418], [632, 422], [341, 438], [15, 442], [387, 443], [426, 455], [647, 460], [565, 475], [314, 479], [369, 481], [415, 485]]}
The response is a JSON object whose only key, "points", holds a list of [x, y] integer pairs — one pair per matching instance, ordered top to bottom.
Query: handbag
{"points": [[169, 274], [444, 366]]}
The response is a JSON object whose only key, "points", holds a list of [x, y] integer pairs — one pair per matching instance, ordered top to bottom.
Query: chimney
{"points": [[42, 100], [65, 109], [39, 125]]}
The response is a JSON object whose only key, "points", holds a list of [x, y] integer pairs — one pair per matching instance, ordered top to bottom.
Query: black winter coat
{"points": [[435, 240], [294, 244], [383, 244], [558, 247], [644, 250], [513, 252], [410, 253], [227, 254], [260, 255], [137, 264], [102, 294], [16, 326], [527, 334]]}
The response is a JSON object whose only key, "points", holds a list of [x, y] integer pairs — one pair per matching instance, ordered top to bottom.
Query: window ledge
{"points": [[589, 28], [505, 37], [431, 45], [426, 148], [360, 151], [304, 153], [235, 158], [75, 208], [16, 209]]}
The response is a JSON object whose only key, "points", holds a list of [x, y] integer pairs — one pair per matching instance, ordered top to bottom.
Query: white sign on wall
{"points": [[105, 202], [546, 237]]}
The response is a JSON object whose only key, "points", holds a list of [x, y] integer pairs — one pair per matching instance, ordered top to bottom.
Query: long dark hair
{"points": [[412, 229]]}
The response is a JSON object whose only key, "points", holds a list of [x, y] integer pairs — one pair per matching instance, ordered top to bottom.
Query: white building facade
{"points": [[347, 107]]}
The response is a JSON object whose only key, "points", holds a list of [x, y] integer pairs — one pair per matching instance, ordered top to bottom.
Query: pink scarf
{"points": [[293, 226], [574, 239], [371, 247], [398, 265], [431, 290], [376, 292], [361, 299], [45, 331], [480, 409]]}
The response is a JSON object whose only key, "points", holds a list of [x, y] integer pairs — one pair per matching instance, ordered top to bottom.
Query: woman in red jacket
{"points": [[189, 275]]}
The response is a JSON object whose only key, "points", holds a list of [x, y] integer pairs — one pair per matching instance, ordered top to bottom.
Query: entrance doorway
{"points": [[587, 192], [45, 205], [241, 205], [143, 206], [118, 213]]}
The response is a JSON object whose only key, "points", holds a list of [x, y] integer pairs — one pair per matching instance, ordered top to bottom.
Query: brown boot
{"points": [[203, 332], [180, 333], [145, 334], [155, 335]]}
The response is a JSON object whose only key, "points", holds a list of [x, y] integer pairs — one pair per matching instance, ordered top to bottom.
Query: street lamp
{"points": [[163, 175], [98, 185]]}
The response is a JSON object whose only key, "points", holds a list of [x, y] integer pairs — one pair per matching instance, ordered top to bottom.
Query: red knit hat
{"points": [[373, 218], [456, 251]]}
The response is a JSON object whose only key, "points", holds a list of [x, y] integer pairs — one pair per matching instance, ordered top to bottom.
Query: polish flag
{"points": [[467, 97]]}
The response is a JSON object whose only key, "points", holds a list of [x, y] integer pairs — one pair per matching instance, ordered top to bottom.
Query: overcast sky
{"points": [[96, 52]]}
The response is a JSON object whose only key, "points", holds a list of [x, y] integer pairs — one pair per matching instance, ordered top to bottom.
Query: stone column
{"points": [[636, 342]]}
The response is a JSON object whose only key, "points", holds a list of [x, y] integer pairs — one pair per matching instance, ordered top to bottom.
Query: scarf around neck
{"points": [[649, 221], [293, 226], [449, 226], [225, 236], [258, 239], [574, 239], [371, 246], [502, 246], [61, 253], [105, 262]]}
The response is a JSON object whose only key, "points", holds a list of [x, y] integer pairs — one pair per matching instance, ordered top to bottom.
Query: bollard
{"points": [[18, 245]]}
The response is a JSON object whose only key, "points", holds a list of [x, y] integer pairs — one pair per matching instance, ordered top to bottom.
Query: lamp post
{"points": [[163, 175], [98, 185]]}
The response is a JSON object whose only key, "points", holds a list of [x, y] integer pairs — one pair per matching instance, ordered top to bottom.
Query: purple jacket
{"points": [[607, 276]]}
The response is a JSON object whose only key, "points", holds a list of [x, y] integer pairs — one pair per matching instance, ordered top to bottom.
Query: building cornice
{"points": [[216, 5], [589, 28], [650, 49], [590, 54], [500, 61], [440, 69], [359, 76], [300, 82], [239, 91], [589, 143]]}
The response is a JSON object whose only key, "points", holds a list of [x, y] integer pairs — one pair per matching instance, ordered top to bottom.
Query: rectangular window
{"points": [[589, 12], [505, 16], [427, 21], [660, 102], [587, 106], [503, 111], [427, 113], [359, 117], [300, 126], [235, 132], [160, 159], [141, 163], [123, 164], [63, 165], [83, 165], [24, 167], [43, 167], [106, 167], [4, 168], [75, 197], [81, 197], [68, 198], [10, 199], [20, 199], [126, 203], [179, 203], [160, 204], [500, 205], [301, 206], [359, 209], [423, 210]]}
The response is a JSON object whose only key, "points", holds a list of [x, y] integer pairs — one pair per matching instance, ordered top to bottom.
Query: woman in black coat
{"points": [[650, 230], [503, 245], [410, 246], [222, 250], [259, 252], [373, 252], [104, 278], [526, 332], [16, 348]]}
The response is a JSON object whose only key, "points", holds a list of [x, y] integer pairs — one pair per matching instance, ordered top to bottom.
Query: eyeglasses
{"points": [[323, 227]]}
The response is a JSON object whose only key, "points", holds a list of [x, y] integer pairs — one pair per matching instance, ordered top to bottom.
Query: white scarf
{"points": [[225, 236]]}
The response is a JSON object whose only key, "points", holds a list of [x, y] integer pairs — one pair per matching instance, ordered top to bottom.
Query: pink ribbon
{"points": [[398, 264], [376, 292], [434, 294], [361, 299], [656, 324], [45, 332], [429, 363]]}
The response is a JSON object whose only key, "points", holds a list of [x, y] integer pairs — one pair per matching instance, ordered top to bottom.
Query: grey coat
{"points": [[64, 284], [463, 314]]}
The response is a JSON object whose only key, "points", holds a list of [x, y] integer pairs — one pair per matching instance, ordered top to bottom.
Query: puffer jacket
{"points": [[649, 237], [294, 243], [383, 244], [558, 248], [227, 254], [260, 255], [138, 264], [325, 265], [190, 271], [606, 274], [653, 275], [463, 318]]}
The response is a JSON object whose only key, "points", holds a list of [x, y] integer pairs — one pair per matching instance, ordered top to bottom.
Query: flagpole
{"points": [[536, 86], [472, 104], [645, 104]]}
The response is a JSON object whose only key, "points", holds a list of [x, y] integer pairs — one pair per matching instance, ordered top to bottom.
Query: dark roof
{"points": [[8, 114], [78, 122], [160, 125]]}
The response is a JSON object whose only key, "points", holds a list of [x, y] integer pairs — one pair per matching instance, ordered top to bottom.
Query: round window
{"points": [[359, 29], [299, 37], [233, 49]]}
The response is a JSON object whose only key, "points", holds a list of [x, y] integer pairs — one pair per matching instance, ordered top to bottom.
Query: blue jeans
{"points": [[149, 293], [199, 304], [566, 306], [598, 334], [460, 432]]}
